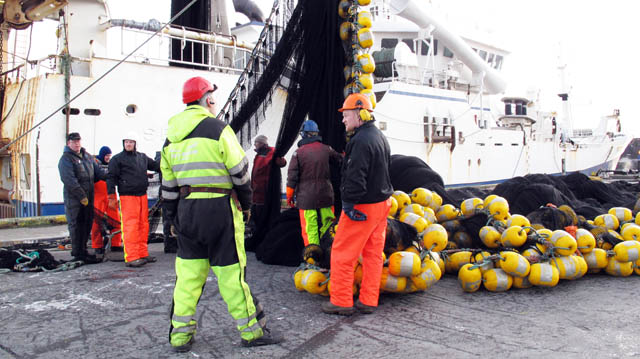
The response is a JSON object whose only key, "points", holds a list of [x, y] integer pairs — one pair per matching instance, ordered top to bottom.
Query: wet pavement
{"points": [[110, 311]]}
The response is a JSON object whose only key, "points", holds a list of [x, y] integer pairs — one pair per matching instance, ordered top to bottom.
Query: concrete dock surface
{"points": [[107, 310]]}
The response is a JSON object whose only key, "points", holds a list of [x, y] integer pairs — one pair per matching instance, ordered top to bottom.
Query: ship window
{"points": [[388, 43], [409, 43], [425, 47], [447, 53], [483, 54], [490, 58], [497, 64], [131, 109], [72, 111], [92, 112], [497, 144], [25, 171]]}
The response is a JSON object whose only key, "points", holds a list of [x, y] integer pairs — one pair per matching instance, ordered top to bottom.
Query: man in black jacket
{"points": [[128, 171], [78, 172], [365, 189]]}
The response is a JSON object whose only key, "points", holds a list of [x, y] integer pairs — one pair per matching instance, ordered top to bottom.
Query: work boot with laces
{"points": [[137, 263], [331, 308], [270, 337], [184, 347]]}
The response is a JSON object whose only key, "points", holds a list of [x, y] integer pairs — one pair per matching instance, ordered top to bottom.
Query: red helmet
{"points": [[195, 88]]}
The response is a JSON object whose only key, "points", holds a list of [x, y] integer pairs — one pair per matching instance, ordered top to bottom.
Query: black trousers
{"points": [[79, 220]]}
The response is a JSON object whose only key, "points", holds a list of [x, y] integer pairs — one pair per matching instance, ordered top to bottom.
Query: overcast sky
{"points": [[597, 37]]}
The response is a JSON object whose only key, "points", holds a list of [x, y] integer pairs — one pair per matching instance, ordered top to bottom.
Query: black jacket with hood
{"points": [[78, 172]]}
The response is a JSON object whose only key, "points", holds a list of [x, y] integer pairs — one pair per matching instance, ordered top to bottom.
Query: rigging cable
{"points": [[101, 77]]}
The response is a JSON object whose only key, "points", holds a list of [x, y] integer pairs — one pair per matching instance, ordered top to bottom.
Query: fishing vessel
{"points": [[445, 103]]}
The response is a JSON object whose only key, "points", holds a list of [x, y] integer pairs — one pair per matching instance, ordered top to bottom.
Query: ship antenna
{"points": [[101, 77]]}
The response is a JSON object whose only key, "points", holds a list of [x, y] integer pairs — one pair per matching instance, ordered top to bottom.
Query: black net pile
{"points": [[35, 259]]}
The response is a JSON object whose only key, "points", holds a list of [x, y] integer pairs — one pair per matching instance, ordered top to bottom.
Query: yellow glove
{"points": [[84, 201]]}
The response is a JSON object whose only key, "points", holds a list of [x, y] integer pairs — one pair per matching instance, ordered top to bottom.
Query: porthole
{"points": [[131, 109], [72, 111], [92, 112]]}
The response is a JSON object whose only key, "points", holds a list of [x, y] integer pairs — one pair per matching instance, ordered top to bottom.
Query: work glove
{"points": [[290, 200], [84, 201], [113, 202], [352, 213], [246, 215]]}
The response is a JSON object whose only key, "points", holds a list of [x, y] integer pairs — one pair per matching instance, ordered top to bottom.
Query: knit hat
{"points": [[262, 139], [104, 150]]}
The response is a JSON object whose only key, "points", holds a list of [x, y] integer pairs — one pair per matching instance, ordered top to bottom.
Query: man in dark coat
{"points": [[78, 172], [309, 184]]}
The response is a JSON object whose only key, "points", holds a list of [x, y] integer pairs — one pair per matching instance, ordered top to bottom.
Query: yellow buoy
{"points": [[364, 2], [343, 8], [365, 19], [345, 30], [365, 38], [367, 63], [366, 81], [370, 95], [421, 196], [402, 198], [488, 200], [436, 201], [468, 206], [394, 207], [413, 208], [499, 208], [446, 212], [623, 214], [430, 215], [519, 220], [607, 220], [637, 220], [419, 223], [630, 232], [490, 236], [513, 236], [434, 238], [585, 240], [564, 244], [412, 249], [627, 251], [531, 254], [436, 258], [482, 259], [596, 259], [456, 260], [404, 264], [514, 264], [566, 266], [582, 266], [636, 267], [619, 269], [357, 274], [429, 275], [543, 275], [469, 278], [297, 280], [497, 280], [314, 281], [521, 282], [390, 283]]}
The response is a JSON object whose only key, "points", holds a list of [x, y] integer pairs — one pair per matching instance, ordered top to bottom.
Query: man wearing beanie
{"points": [[101, 204]]}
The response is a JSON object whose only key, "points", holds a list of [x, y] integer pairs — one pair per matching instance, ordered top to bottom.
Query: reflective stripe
{"points": [[197, 166], [240, 166], [191, 181], [241, 181], [170, 183], [170, 195], [182, 318], [244, 321], [252, 328], [185, 329]]}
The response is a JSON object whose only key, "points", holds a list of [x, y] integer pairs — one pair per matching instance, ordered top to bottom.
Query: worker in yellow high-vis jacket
{"points": [[206, 191]]}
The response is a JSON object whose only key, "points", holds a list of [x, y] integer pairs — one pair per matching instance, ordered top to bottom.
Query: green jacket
{"points": [[201, 151]]}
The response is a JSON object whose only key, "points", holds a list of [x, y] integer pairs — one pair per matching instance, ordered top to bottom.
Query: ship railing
{"points": [[158, 51], [31, 68]]}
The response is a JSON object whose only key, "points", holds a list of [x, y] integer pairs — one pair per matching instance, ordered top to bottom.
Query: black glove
{"points": [[353, 213]]}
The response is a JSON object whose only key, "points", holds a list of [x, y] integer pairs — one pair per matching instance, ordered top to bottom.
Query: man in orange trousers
{"points": [[366, 188], [101, 204]]}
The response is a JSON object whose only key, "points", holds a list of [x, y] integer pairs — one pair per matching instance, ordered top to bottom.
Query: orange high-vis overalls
{"points": [[101, 203], [135, 226]]}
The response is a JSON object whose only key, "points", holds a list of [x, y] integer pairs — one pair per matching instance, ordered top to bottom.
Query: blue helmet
{"points": [[307, 127]]}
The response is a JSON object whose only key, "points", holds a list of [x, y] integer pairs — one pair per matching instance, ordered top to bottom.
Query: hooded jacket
{"points": [[201, 151], [128, 171]]}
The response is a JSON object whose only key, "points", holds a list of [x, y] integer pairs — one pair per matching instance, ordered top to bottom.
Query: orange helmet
{"points": [[356, 101]]}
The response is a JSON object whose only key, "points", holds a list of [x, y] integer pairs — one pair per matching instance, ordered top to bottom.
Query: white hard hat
{"points": [[131, 135]]}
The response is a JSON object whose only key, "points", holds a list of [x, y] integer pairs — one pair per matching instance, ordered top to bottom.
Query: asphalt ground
{"points": [[110, 311]]}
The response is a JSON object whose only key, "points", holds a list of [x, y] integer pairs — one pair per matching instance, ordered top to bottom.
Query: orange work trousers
{"points": [[101, 203], [135, 226], [352, 239]]}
